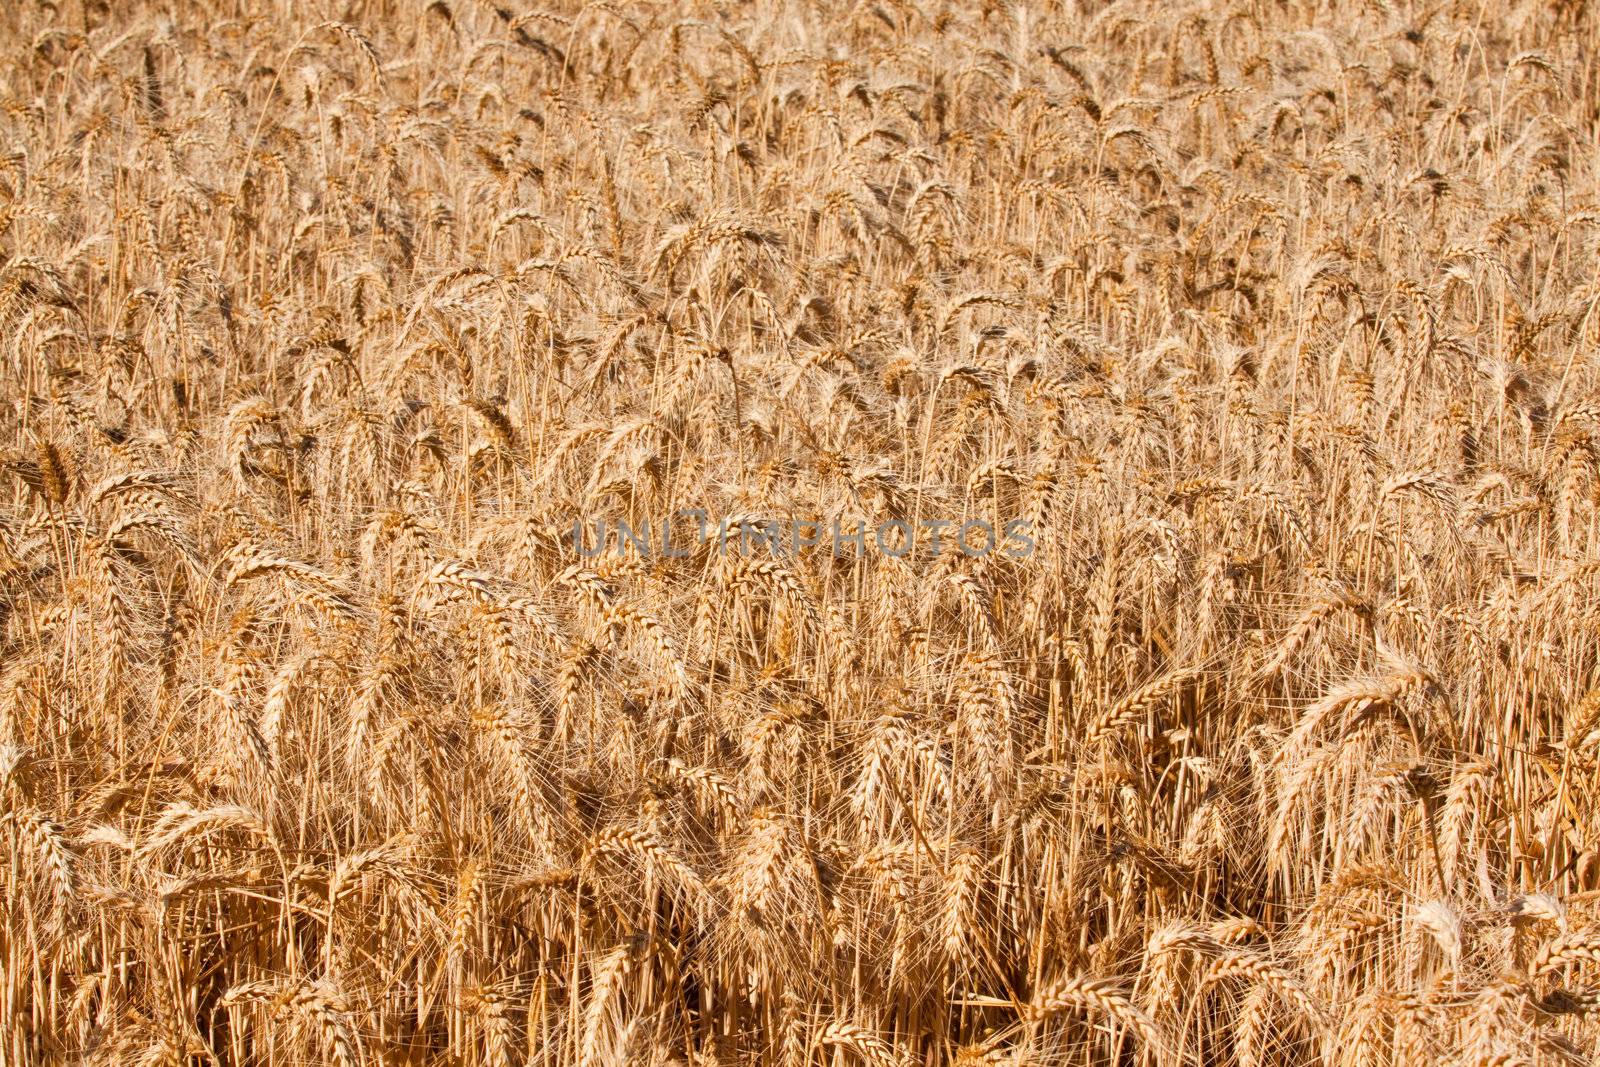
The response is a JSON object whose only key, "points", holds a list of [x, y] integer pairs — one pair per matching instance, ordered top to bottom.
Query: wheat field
{"points": [[333, 331]]}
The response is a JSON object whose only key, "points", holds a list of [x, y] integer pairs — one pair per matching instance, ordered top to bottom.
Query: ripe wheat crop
{"points": [[1262, 335]]}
